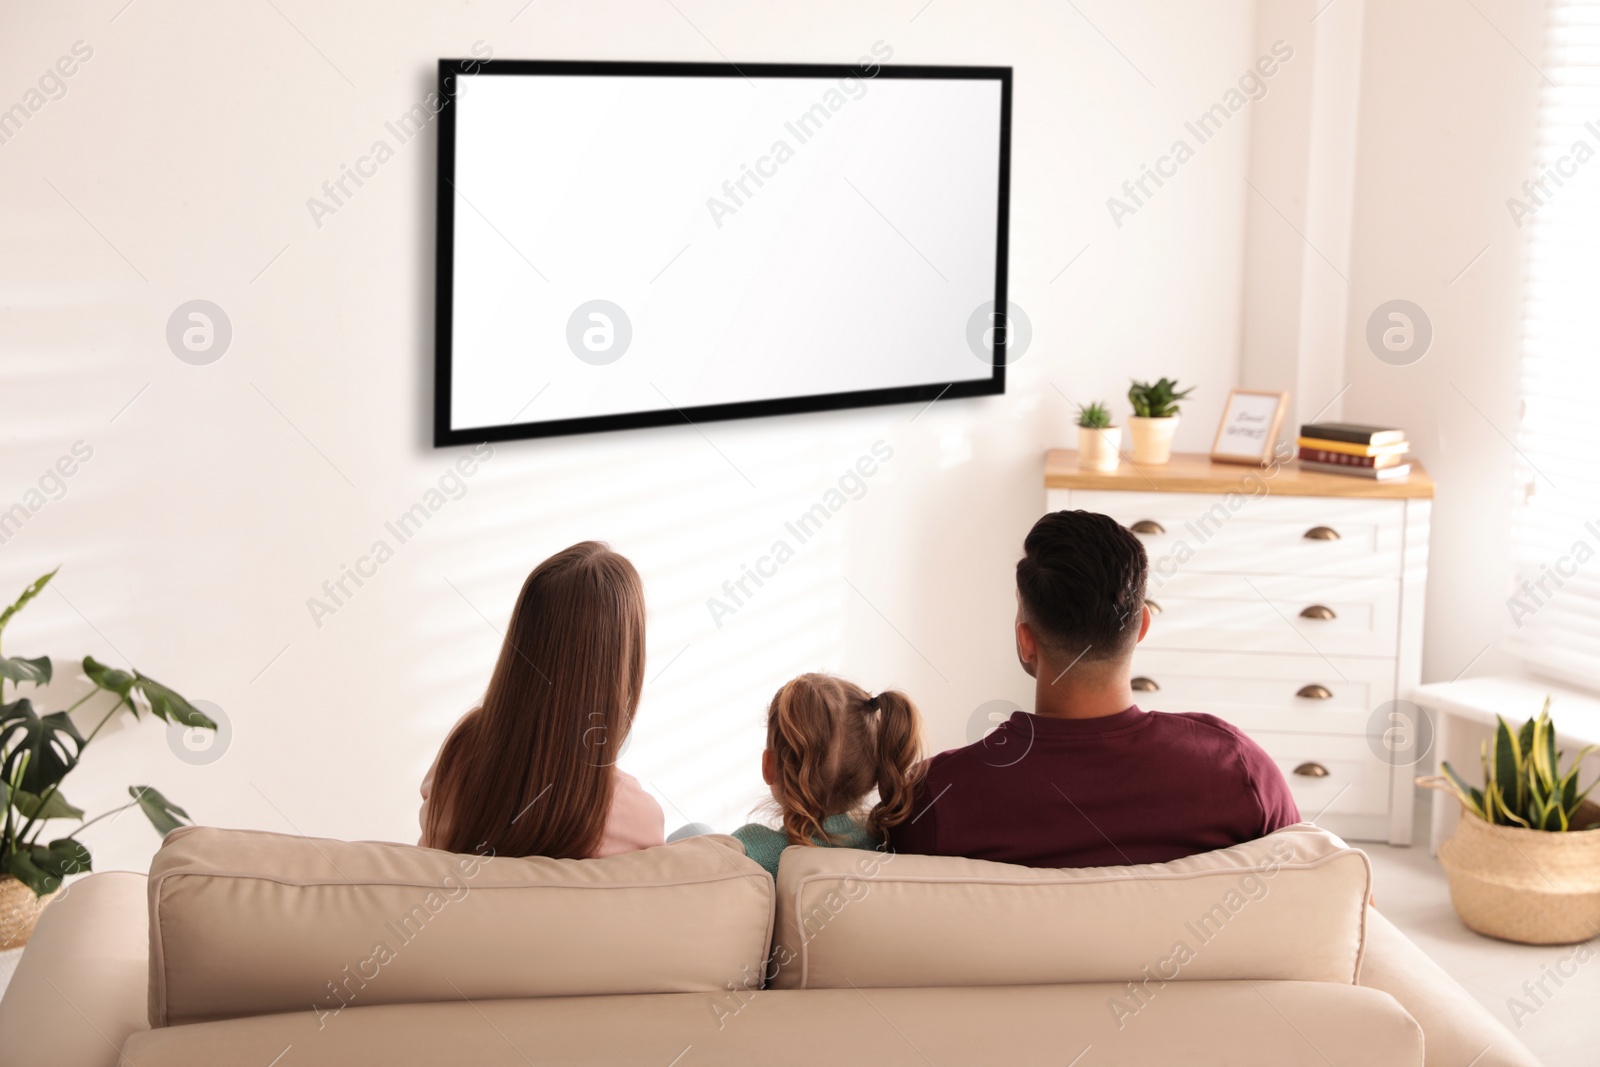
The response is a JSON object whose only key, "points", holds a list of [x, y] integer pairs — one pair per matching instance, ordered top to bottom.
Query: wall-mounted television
{"points": [[642, 244]]}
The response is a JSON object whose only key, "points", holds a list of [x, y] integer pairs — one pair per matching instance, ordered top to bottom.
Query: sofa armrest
{"points": [[80, 988], [1457, 1029]]}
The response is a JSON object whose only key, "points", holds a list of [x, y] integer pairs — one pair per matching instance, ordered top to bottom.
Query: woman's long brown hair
{"points": [[833, 743], [529, 772]]}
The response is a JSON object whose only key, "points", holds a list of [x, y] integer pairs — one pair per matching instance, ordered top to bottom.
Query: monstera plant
{"points": [[38, 751]]}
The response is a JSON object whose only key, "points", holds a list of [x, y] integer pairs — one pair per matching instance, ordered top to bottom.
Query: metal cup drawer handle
{"points": [[1148, 526], [1321, 533], [1318, 611], [1145, 685], [1315, 692], [1311, 770]]}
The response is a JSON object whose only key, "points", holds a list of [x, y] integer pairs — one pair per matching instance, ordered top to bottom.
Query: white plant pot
{"points": [[1152, 438], [1099, 450]]}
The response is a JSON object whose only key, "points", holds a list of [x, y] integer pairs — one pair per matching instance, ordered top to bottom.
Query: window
{"points": [[1556, 609]]}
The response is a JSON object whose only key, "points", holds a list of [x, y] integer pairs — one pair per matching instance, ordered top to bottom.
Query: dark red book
{"points": [[1345, 459]]}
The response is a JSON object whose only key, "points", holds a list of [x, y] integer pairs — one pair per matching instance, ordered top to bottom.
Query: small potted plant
{"points": [[1155, 419], [1099, 442], [38, 751], [1524, 861]]}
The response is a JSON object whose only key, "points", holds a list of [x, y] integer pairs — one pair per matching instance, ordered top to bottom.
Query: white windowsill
{"points": [[1576, 713]]}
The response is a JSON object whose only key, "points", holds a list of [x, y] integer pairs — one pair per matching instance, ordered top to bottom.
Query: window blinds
{"points": [[1555, 609]]}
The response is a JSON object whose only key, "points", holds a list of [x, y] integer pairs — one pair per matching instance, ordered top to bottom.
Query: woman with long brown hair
{"points": [[831, 746], [531, 770]]}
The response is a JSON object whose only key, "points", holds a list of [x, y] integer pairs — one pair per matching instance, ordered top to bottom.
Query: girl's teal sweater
{"points": [[764, 844]]}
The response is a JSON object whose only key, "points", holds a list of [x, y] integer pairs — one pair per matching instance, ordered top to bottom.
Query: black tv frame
{"points": [[452, 69]]}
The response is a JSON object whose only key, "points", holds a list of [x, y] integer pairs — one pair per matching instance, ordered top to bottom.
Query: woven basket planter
{"points": [[1535, 887], [19, 911]]}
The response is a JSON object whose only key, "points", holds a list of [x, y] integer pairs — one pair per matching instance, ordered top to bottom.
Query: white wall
{"points": [[1407, 128], [1447, 134], [1299, 224], [219, 498]]}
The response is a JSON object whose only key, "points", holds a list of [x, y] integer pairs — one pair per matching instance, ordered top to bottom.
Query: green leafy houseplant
{"points": [[1157, 401], [1095, 416], [1099, 440], [38, 751], [1523, 784]]}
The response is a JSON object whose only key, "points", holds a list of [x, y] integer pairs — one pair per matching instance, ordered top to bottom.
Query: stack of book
{"points": [[1354, 449]]}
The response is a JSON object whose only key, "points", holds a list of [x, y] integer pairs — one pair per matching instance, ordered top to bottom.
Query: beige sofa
{"points": [[262, 949]]}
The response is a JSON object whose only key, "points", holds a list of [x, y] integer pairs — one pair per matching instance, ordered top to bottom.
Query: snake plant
{"points": [[1523, 784]]}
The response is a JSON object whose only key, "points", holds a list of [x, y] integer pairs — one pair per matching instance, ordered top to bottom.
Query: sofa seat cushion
{"points": [[1290, 907], [248, 923], [79, 989], [1197, 1024]]}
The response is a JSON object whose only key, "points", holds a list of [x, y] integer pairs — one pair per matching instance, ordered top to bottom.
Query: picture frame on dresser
{"points": [[1249, 428], [1285, 601]]}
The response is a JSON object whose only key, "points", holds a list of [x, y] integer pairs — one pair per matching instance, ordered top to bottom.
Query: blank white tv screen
{"points": [[636, 244]]}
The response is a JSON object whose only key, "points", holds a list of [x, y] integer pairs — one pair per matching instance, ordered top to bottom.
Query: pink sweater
{"points": [[634, 822]]}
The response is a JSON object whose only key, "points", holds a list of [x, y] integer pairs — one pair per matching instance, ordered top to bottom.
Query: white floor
{"points": [[8, 966], [1562, 1028]]}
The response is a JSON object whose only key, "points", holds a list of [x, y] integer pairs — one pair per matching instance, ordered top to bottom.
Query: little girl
{"points": [[830, 744]]}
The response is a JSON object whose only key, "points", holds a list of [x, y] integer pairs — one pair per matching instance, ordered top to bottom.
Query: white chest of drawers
{"points": [[1287, 602]]}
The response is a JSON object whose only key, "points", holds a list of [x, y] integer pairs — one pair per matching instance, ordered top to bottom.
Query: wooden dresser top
{"points": [[1193, 472]]}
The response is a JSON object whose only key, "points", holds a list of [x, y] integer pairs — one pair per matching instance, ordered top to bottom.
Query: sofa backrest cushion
{"points": [[1289, 906], [249, 923]]}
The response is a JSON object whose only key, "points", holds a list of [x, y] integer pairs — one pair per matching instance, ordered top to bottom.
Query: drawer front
{"points": [[1258, 534], [1275, 613], [1256, 692], [1357, 782]]}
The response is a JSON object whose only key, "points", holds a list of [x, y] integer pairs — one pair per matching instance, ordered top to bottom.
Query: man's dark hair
{"points": [[1081, 579]]}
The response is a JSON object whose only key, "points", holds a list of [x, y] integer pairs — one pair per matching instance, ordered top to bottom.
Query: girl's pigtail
{"points": [[802, 718], [899, 761]]}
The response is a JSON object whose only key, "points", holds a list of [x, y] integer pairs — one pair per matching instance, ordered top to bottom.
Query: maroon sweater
{"points": [[1134, 787]]}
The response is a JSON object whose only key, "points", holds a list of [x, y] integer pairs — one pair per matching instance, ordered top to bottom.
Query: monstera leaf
{"points": [[27, 594], [36, 671], [108, 678], [141, 691], [169, 705], [45, 747], [53, 806], [163, 814], [42, 867]]}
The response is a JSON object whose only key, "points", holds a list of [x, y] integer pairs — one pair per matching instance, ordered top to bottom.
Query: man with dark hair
{"points": [[1090, 779]]}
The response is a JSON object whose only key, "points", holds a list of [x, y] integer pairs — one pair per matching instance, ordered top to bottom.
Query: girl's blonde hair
{"points": [[833, 743]]}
